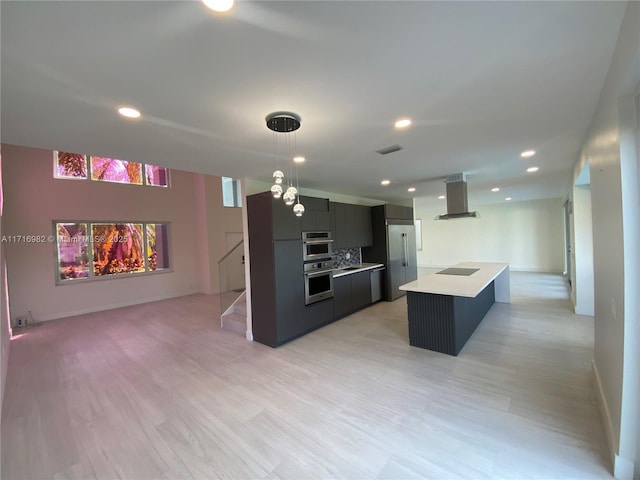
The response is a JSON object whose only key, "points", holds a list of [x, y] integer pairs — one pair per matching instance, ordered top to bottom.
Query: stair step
{"points": [[240, 308], [234, 323]]}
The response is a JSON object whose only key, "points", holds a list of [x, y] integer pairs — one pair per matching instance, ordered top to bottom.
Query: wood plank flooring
{"points": [[159, 391]]}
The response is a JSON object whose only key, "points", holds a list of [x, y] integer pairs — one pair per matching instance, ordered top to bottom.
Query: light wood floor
{"points": [[159, 391]]}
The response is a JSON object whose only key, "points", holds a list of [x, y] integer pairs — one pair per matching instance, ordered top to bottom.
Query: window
{"points": [[68, 165], [114, 170], [156, 176], [231, 196], [101, 249], [73, 251]]}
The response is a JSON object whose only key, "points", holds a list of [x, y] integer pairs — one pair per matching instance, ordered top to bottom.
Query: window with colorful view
{"points": [[101, 169], [100, 249]]}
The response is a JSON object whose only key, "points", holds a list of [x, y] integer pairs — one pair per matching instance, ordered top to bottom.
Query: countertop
{"points": [[360, 267], [456, 285]]}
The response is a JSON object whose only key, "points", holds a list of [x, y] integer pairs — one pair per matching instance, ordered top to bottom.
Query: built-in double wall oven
{"points": [[318, 266]]}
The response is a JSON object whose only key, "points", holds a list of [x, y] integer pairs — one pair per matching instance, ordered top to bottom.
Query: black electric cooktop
{"points": [[465, 272]]}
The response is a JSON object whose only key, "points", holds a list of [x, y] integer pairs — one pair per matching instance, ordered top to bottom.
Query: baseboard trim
{"points": [[511, 268], [111, 306], [622, 468]]}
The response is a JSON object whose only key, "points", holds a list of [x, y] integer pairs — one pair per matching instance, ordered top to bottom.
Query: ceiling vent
{"points": [[390, 149], [457, 206]]}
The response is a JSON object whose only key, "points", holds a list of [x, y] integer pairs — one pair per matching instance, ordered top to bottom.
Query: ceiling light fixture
{"points": [[219, 5], [129, 112], [285, 123], [403, 123], [528, 153], [299, 159], [532, 169], [385, 182], [411, 189], [495, 189], [441, 197], [508, 198]]}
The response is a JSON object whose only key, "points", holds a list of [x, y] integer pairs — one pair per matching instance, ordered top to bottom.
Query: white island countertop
{"points": [[465, 286]]}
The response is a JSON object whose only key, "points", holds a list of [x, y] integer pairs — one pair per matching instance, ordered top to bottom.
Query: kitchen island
{"points": [[445, 308]]}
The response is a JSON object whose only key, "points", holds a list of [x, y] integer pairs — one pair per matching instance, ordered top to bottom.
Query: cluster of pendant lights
{"points": [[282, 124]]}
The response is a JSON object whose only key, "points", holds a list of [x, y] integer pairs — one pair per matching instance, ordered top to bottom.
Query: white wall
{"points": [[33, 199], [615, 203], [527, 235], [582, 253]]}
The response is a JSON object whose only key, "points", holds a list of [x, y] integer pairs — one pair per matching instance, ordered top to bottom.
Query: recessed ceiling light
{"points": [[219, 5], [129, 112], [403, 123], [528, 153], [298, 159], [532, 169], [385, 182], [411, 189], [495, 189], [441, 197], [508, 198]]}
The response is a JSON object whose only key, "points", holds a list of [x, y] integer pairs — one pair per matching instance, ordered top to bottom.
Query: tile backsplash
{"points": [[340, 259]]}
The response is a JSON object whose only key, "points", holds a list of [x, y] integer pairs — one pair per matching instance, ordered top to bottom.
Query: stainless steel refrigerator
{"points": [[394, 244], [402, 264]]}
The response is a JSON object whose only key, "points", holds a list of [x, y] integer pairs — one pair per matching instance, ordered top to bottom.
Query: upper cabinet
{"points": [[398, 212], [316, 215], [272, 218], [351, 225]]}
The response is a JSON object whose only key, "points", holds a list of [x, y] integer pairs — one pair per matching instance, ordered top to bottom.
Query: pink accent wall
{"points": [[34, 199]]}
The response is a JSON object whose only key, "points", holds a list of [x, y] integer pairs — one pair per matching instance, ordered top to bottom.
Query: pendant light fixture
{"points": [[283, 125]]}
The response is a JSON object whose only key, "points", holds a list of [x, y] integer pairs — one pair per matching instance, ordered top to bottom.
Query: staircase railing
{"points": [[232, 279]]}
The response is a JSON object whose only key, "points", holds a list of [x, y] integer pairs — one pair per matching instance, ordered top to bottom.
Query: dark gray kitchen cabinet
{"points": [[398, 212], [316, 217], [273, 218], [351, 225], [360, 290], [351, 293], [342, 296], [279, 313]]}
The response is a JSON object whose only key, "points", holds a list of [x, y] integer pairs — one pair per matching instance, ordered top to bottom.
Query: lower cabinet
{"points": [[351, 293]]}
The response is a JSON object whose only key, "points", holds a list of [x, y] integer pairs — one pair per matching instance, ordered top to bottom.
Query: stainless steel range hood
{"points": [[457, 206]]}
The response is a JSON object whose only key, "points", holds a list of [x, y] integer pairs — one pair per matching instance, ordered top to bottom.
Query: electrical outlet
{"points": [[21, 321]]}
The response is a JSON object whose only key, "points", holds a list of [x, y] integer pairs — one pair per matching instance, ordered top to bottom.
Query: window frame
{"points": [[99, 278]]}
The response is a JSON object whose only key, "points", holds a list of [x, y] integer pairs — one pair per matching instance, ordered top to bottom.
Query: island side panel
{"points": [[503, 287], [468, 313], [431, 322]]}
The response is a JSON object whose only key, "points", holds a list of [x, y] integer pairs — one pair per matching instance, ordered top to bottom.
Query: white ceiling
{"points": [[482, 81]]}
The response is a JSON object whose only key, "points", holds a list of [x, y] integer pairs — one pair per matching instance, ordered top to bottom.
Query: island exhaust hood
{"points": [[457, 206]]}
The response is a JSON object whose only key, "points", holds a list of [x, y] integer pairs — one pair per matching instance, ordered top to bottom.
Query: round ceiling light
{"points": [[219, 5], [129, 112], [403, 123], [528, 153], [299, 159], [532, 169], [385, 182], [411, 189], [495, 189], [441, 197], [508, 198]]}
